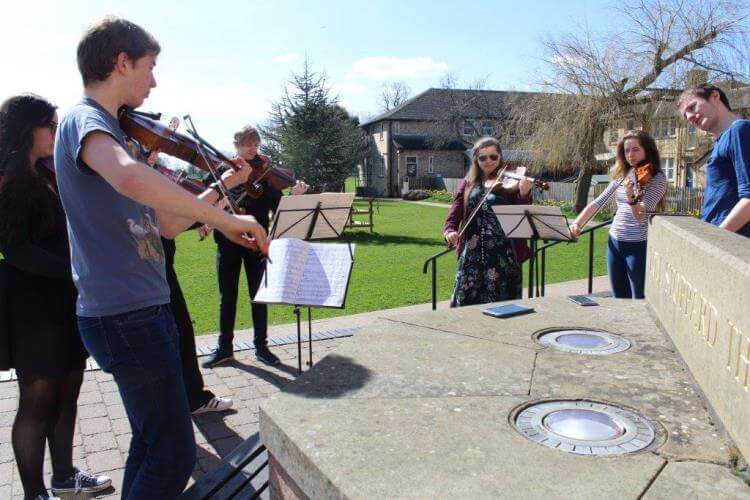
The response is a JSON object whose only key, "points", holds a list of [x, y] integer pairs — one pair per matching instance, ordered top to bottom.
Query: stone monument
{"points": [[627, 399]]}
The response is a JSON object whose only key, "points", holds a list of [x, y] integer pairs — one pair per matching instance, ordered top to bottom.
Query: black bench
{"points": [[243, 473]]}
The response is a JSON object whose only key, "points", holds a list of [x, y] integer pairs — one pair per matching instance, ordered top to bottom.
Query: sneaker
{"points": [[265, 355], [217, 357], [214, 404], [81, 482]]}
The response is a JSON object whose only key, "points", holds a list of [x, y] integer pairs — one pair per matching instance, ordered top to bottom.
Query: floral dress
{"points": [[488, 270]]}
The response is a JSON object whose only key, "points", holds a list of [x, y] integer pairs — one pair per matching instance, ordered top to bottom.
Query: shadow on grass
{"points": [[372, 238]]}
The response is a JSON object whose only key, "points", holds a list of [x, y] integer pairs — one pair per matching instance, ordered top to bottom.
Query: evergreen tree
{"points": [[311, 134]]}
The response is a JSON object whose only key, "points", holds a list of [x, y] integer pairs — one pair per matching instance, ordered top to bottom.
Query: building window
{"points": [[396, 127], [468, 128], [487, 128], [666, 128], [613, 136], [692, 137], [430, 165], [411, 166], [667, 166]]}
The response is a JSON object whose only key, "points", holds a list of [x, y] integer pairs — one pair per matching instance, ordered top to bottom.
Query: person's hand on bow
{"points": [[238, 174], [629, 186], [300, 187], [524, 187]]}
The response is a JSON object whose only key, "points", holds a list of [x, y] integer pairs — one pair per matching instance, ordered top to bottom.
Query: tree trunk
{"points": [[583, 183]]}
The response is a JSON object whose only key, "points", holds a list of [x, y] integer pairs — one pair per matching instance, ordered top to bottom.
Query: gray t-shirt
{"points": [[116, 252]]}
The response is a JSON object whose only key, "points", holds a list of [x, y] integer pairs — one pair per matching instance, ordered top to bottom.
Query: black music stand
{"points": [[312, 217], [533, 223]]}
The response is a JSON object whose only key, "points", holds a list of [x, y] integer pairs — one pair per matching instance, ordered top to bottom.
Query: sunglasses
{"points": [[484, 158]]}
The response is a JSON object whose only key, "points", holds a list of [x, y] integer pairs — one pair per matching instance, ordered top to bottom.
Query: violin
{"points": [[154, 136], [643, 175], [276, 177], [512, 177], [188, 184]]}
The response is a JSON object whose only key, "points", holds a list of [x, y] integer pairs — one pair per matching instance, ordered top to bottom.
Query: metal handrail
{"points": [[590, 230], [543, 249], [433, 259]]}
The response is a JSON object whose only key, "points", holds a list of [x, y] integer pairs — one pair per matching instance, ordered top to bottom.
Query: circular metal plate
{"points": [[583, 341], [585, 427]]}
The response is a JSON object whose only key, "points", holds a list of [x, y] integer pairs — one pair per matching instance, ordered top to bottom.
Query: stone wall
{"points": [[698, 285]]}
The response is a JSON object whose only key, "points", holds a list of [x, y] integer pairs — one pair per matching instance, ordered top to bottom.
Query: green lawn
{"points": [[350, 184], [387, 266]]}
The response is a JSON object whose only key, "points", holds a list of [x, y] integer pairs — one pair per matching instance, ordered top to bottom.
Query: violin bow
{"points": [[203, 145], [479, 205]]}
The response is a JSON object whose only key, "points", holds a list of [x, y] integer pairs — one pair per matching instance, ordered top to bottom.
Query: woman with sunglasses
{"points": [[489, 268], [38, 333]]}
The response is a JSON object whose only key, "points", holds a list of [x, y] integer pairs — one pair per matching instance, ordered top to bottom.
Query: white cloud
{"points": [[288, 57], [395, 68]]}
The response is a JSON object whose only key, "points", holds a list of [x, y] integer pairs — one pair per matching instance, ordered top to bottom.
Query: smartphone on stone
{"points": [[583, 300], [507, 311]]}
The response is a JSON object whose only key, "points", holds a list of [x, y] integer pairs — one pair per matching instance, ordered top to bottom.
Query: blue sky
{"points": [[225, 62]]}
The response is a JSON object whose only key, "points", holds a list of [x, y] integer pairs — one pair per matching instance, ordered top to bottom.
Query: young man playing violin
{"points": [[726, 202], [117, 208], [230, 257]]}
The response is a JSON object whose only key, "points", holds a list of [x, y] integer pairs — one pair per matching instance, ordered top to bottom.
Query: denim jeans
{"points": [[626, 262], [140, 348]]}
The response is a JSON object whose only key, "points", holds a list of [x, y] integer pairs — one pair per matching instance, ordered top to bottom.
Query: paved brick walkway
{"points": [[103, 432]]}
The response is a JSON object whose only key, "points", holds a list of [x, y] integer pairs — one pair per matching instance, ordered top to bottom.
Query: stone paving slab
{"points": [[377, 368], [103, 432], [416, 439], [697, 481]]}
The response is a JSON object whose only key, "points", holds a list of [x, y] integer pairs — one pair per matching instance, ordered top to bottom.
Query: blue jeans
{"points": [[626, 262], [140, 348]]}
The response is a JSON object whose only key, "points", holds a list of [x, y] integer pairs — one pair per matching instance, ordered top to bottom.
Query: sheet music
{"points": [[306, 274], [326, 275], [281, 280]]}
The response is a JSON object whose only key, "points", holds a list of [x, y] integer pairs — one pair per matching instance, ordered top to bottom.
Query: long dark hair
{"points": [[649, 147], [652, 156], [28, 207]]}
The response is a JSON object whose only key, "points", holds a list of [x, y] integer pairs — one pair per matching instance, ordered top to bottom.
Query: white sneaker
{"points": [[215, 404]]}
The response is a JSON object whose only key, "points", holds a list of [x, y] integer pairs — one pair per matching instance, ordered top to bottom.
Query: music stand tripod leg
{"points": [[309, 335], [299, 340]]}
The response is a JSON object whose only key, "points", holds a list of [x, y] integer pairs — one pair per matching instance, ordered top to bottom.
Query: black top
{"points": [[45, 255]]}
